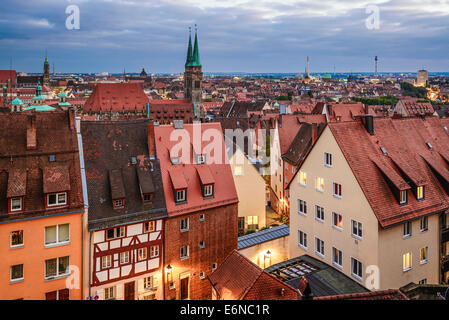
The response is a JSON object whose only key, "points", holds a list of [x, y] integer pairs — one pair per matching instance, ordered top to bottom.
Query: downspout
{"points": [[163, 259]]}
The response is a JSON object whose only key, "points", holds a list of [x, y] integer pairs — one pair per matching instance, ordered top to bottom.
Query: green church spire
{"points": [[189, 51], [196, 51]]}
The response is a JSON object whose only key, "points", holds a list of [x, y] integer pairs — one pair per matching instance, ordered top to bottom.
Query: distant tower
{"points": [[375, 65], [308, 68], [46, 70], [193, 76]]}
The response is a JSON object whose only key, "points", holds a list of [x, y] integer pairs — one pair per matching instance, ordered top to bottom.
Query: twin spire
{"points": [[193, 57]]}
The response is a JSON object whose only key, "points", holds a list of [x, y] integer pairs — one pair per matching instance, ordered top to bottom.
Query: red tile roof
{"points": [[5, 75], [116, 97], [412, 107], [166, 111], [403, 139], [216, 161], [56, 178], [237, 278], [391, 294]]}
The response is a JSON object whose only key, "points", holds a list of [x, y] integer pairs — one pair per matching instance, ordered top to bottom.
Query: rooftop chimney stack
{"points": [[71, 115], [369, 124], [31, 132], [314, 132], [151, 140]]}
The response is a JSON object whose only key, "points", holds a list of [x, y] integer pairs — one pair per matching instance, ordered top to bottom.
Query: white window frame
{"points": [[328, 156], [201, 159], [302, 178], [318, 185], [208, 190], [180, 195], [336, 195], [403, 197], [118, 203], [302, 203], [21, 204], [57, 204], [319, 213], [339, 218], [186, 223], [424, 224], [151, 226], [407, 227], [359, 228], [121, 234], [302, 239], [57, 243], [319, 244], [16, 245], [154, 251], [184, 252], [142, 254], [339, 255], [124, 257], [421, 260], [106, 261], [359, 265], [409, 266], [67, 272], [17, 279], [148, 283], [107, 293]]}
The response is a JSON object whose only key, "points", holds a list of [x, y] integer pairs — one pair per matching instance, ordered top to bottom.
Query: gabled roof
{"points": [[116, 97], [166, 111], [404, 141], [110, 148], [217, 163], [237, 278], [391, 294]]}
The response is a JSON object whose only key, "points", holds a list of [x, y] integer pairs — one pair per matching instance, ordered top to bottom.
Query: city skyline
{"points": [[235, 36]]}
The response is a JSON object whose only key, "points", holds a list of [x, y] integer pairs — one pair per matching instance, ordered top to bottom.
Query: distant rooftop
{"points": [[259, 237]]}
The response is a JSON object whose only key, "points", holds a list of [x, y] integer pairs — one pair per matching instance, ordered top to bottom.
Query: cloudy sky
{"points": [[234, 35]]}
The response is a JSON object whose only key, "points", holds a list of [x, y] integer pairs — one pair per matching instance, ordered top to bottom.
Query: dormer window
{"points": [[201, 159], [175, 161], [208, 191], [420, 193], [180, 195], [148, 197], [403, 197], [56, 199], [118, 203], [16, 204]]}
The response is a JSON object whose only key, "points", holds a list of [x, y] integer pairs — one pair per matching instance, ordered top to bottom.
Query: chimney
{"points": [[71, 115], [369, 124], [31, 132], [314, 132], [151, 140]]}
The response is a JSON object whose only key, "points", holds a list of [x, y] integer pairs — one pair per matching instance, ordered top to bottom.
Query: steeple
{"points": [[189, 50], [196, 52]]}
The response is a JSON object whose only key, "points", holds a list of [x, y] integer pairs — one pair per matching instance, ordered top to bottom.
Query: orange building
{"points": [[41, 207]]}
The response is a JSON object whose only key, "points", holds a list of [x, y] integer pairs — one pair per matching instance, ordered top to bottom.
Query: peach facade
{"points": [[33, 254]]}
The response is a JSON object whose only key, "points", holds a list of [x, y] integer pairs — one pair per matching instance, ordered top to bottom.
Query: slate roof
{"points": [[116, 97], [240, 109], [108, 151], [407, 159], [25, 172], [262, 236], [237, 278], [323, 279]]}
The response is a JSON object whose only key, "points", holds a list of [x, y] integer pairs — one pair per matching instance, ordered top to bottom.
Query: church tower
{"points": [[46, 71], [193, 77]]}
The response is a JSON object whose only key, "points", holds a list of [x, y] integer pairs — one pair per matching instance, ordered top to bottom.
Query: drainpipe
{"points": [[163, 259]]}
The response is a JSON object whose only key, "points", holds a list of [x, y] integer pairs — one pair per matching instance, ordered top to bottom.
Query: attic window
{"points": [[429, 145], [384, 151], [201, 159], [133, 160], [175, 161], [208, 191], [420, 193], [180, 195], [148, 197], [403, 197], [118, 203]]}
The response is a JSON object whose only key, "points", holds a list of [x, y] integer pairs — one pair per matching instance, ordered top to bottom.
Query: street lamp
{"points": [[267, 255]]}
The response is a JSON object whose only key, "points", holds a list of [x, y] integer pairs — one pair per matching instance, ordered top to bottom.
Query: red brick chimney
{"points": [[71, 115], [31, 132], [314, 132], [151, 151]]}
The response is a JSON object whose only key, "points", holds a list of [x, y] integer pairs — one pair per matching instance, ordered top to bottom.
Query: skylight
{"points": [[429, 145], [384, 151]]}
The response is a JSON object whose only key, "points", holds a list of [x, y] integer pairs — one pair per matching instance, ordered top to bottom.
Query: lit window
{"points": [[327, 159], [238, 171], [302, 178], [320, 184], [337, 190], [420, 193], [403, 197], [57, 199], [16, 204], [302, 207], [319, 213], [337, 220], [253, 222], [184, 224], [424, 224], [149, 226], [356, 229], [407, 229], [59, 234], [16, 238], [302, 239], [319, 247], [154, 251], [142, 254], [423, 255], [124, 257], [337, 257], [406, 261], [106, 262], [57, 267], [356, 268], [17, 272], [148, 283]]}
